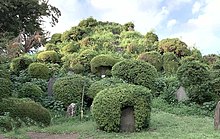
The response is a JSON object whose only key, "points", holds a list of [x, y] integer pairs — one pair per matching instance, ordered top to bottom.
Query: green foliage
{"points": [[27, 15], [89, 22], [129, 26], [151, 37], [56, 38], [175, 45], [51, 47], [71, 47], [48, 56], [153, 57], [85, 58], [210, 58], [102, 62], [20, 63], [170, 63], [77, 68], [38, 70], [136, 72], [195, 77], [103, 84], [172, 84], [5, 88], [69, 89], [30, 90], [52, 104], [108, 104], [25, 109]]}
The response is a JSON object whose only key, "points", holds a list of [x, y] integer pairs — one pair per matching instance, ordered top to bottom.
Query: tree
{"points": [[17, 15]]}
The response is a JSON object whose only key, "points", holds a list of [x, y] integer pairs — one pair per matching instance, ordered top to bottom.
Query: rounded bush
{"points": [[56, 38], [51, 47], [71, 47], [48, 56], [154, 58], [102, 62], [20, 63], [170, 63], [77, 68], [38, 70], [136, 72], [195, 77], [102, 84], [5, 88], [70, 89], [30, 90], [109, 103], [25, 109]]}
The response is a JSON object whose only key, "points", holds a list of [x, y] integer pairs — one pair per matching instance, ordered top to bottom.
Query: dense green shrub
{"points": [[56, 38], [174, 45], [51, 47], [71, 47], [48, 56], [85, 57], [154, 58], [102, 62], [20, 63], [170, 63], [77, 68], [38, 70], [136, 72], [4, 73], [195, 77], [103, 84], [5, 88], [70, 89], [30, 90], [108, 104], [25, 109]]}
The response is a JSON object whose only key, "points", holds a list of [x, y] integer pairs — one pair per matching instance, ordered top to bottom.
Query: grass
{"points": [[164, 125]]}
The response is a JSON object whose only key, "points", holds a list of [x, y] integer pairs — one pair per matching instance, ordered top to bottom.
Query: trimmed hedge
{"points": [[51, 47], [71, 47], [48, 56], [153, 58], [105, 61], [20, 63], [39, 70], [136, 72], [102, 84], [5, 88], [69, 89], [30, 90], [108, 104], [24, 109]]}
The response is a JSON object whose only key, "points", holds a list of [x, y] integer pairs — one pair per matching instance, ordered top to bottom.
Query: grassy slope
{"points": [[163, 126]]}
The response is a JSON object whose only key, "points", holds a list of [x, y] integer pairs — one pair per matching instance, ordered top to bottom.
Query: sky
{"points": [[196, 22]]}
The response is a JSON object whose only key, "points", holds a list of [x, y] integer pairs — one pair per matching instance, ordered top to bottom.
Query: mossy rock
{"points": [[108, 105]]}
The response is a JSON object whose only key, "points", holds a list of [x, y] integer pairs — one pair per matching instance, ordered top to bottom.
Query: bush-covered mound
{"points": [[56, 38], [51, 47], [48, 56], [153, 58], [102, 62], [20, 63], [170, 63], [39, 70], [136, 72], [195, 77], [103, 84], [5, 88], [70, 89], [30, 90], [108, 104], [25, 110]]}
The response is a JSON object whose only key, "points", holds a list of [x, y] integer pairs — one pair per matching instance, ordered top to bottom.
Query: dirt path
{"points": [[36, 135]]}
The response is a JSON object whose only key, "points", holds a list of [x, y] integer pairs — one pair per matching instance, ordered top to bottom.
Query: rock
{"points": [[50, 86], [181, 94], [71, 109], [217, 116], [127, 123]]}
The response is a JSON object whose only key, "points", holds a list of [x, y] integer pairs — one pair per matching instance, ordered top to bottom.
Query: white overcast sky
{"points": [[196, 22]]}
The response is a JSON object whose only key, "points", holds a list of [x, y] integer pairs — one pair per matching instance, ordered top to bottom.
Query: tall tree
{"points": [[17, 15]]}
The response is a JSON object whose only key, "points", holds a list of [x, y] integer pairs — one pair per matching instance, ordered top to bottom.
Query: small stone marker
{"points": [[50, 86], [181, 94], [71, 109], [217, 116], [127, 123]]}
